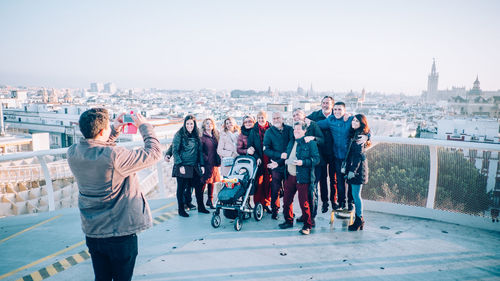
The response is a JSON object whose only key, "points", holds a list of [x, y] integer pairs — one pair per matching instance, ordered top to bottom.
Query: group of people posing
{"points": [[327, 144], [113, 208]]}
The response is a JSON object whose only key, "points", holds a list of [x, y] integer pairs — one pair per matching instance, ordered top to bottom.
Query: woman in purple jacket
{"points": [[209, 142], [242, 144]]}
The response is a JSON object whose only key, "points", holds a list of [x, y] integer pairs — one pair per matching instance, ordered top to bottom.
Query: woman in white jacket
{"points": [[227, 144]]}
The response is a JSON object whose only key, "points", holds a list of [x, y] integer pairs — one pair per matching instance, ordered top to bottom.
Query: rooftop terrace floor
{"points": [[390, 247]]}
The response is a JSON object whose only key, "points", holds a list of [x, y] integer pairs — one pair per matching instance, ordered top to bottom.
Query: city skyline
{"points": [[386, 46]]}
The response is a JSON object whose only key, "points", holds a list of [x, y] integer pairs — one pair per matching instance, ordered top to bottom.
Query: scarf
{"points": [[262, 130], [245, 131]]}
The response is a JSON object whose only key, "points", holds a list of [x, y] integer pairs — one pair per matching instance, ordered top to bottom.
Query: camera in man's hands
{"points": [[127, 118], [130, 127]]}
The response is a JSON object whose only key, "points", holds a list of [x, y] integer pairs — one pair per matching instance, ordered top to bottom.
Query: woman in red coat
{"points": [[255, 148]]}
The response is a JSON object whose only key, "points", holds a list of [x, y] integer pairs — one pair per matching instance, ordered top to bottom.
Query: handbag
{"points": [[227, 161], [189, 170]]}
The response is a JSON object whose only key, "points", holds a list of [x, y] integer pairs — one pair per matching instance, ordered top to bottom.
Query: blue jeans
{"points": [[358, 202]]}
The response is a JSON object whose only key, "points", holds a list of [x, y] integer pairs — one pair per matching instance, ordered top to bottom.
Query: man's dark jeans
{"points": [[322, 172], [276, 185], [343, 189], [313, 199], [113, 258]]}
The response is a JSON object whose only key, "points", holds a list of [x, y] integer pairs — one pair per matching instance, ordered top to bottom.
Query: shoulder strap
{"points": [[349, 149]]}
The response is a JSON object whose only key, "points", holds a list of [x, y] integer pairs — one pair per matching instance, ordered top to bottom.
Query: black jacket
{"points": [[314, 130], [254, 141], [276, 142], [325, 148], [187, 150], [309, 154], [356, 162]]}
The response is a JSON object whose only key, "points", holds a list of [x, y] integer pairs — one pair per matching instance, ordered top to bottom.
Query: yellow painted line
{"points": [[166, 206], [29, 228], [77, 257], [42, 260], [65, 264], [51, 270], [36, 276]]}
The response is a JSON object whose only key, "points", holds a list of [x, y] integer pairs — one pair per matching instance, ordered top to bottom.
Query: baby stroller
{"points": [[234, 198]]}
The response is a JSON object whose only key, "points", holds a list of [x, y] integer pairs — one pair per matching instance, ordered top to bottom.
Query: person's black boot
{"points": [[210, 204], [191, 206], [350, 207], [324, 208], [203, 210], [183, 213], [275, 215], [358, 224], [285, 225]]}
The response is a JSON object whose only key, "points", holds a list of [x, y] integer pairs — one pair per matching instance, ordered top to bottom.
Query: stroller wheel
{"points": [[258, 212], [216, 221], [238, 223]]}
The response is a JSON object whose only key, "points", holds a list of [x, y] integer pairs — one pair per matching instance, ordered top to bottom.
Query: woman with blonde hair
{"points": [[209, 143], [227, 144], [255, 148]]}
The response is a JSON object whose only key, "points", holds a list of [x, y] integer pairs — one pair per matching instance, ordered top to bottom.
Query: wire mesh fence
{"points": [[467, 179]]}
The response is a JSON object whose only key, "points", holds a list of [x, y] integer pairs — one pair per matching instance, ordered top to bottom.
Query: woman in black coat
{"points": [[188, 162], [357, 167]]}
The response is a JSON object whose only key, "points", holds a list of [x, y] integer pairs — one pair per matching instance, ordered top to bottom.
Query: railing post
{"points": [[433, 174], [161, 179], [48, 182]]}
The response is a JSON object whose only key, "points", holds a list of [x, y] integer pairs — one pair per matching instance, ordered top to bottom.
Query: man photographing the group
{"points": [[112, 206]]}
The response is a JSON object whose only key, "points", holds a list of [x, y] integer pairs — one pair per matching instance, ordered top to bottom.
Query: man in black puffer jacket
{"points": [[276, 141], [303, 157], [326, 167]]}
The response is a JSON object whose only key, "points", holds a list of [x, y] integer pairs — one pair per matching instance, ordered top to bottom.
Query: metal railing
{"points": [[47, 172], [416, 182]]}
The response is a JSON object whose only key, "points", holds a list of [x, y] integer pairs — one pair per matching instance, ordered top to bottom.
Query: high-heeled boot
{"points": [[201, 208], [183, 213], [358, 224]]}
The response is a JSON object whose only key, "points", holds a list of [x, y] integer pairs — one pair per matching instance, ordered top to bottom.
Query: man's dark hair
{"points": [[327, 97], [340, 103], [93, 121]]}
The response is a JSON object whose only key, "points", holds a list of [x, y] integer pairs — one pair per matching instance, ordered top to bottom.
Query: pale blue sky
{"points": [[383, 46]]}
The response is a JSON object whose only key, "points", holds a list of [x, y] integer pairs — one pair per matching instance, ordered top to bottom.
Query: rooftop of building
{"points": [[426, 239], [391, 247]]}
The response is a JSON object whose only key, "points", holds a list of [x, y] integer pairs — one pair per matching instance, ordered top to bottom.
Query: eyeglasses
{"points": [[248, 121]]}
